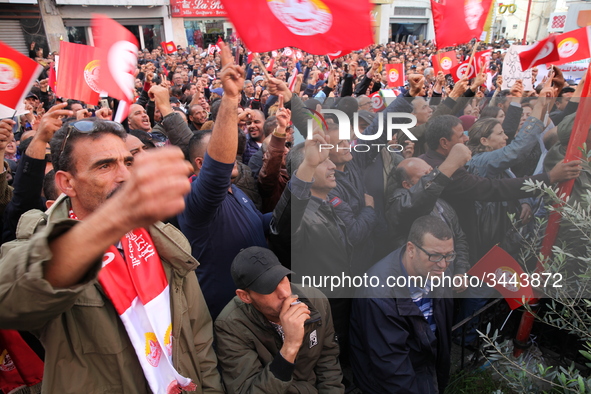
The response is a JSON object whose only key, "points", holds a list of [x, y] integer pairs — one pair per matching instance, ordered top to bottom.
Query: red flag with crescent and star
{"points": [[116, 49], [542, 52]]}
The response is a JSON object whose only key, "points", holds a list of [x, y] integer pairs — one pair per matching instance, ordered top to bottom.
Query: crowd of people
{"points": [[169, 252]]}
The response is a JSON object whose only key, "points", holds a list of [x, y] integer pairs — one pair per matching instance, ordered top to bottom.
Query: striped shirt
{"points": [[420, 296]]}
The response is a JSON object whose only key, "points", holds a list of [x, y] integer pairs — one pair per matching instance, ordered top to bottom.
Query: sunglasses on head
{"points": [[85, 127]]}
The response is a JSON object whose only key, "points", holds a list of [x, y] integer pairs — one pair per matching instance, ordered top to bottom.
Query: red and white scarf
{"points": [[138, 288]]}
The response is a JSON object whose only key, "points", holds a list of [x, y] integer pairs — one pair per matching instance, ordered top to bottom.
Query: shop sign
{"points": [[197, 8]]}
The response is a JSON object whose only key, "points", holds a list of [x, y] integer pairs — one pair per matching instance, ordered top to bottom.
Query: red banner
{"points": [[197, 8], [458, 21], [316, 26], [573, 46], [168, 47], [116, 49], [78, 60], [444, 62], [17, 75], [396, 77], [499, 270], [19, 364]]}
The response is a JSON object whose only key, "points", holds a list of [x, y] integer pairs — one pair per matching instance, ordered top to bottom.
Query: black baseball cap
{"points": [[257, 269]]}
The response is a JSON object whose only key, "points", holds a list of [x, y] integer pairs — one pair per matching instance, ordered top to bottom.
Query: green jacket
{"points": [[87, 347], [248, 350]]}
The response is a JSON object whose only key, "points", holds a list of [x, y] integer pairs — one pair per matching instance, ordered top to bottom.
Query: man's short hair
{"points": [[187, 87], [566, 89], [176, 91], [214, 108], [192, 109], [270, 125], [440, 127], [65, 137], [144, 137], [241, 144], [196, 146], [295, 158], [400, 175], [50, 191], [429, 225]]}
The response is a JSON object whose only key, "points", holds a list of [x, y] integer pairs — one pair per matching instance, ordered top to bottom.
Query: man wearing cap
{"points": [[258, 81], [216, 93], [274, 336]]}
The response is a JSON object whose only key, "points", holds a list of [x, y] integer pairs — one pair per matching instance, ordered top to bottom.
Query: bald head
{"points": [[138, 118], [410, 170]]}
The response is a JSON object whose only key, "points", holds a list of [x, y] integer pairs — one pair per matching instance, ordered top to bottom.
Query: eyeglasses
{"points": [[85, 127], [437, 257]]}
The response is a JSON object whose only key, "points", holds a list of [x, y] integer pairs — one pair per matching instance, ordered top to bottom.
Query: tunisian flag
{"points": [[458, 21], [315, 26], [574, 45], [168, 47], [116, 49], [542, 52], [444, 62], [464, 69], [78, 73], [17, 75], [395, 75]]}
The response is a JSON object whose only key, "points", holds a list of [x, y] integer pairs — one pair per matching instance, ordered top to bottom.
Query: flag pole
{"points": [[526, 22], [471, 57], [263, 68], [13, 115], [579, 135]]}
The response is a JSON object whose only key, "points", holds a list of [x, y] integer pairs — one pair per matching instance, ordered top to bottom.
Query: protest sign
{"points": [[512, 69]]}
